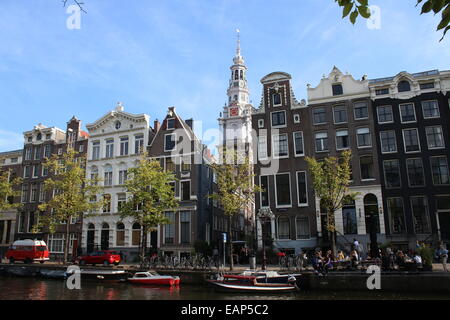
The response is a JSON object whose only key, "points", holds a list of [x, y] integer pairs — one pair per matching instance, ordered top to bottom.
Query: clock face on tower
{"points": [[234, 111]]}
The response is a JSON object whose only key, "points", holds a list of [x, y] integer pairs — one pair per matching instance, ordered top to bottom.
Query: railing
{"points": [[194, 262]]}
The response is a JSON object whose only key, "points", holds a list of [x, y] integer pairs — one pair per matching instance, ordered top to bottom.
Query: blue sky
{"points": [[154, 54]]}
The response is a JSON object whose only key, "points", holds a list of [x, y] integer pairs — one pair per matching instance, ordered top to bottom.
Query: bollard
{"points": [[252, 263]]}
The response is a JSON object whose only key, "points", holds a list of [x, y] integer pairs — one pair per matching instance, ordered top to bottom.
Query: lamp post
{"points": [[263, 215]]}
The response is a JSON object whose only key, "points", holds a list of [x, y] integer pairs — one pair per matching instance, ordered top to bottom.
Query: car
{"points": [[28, 251], [105, 257]]}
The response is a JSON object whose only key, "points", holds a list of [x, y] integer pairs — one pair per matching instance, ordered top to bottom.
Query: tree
{"points": [[77, 2], [361, 7], [331, 179], [235, 188], [7, 190], [74, 194], [151, 195]]}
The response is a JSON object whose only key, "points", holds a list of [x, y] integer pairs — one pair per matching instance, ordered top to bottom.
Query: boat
{"points": [[53, 274], [102, 275], [265, 276], [152, 278], [253, 283]]}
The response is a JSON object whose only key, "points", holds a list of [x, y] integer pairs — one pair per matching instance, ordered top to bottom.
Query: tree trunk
{"points": [[332, 232], [67, 241], [143, 243], [231, 245]]}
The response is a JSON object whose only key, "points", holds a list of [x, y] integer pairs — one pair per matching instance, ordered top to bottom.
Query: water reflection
{"points": [[38, 289]]}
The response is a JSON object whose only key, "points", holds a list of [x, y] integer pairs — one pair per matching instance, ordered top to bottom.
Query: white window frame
{"points": [[273, 99], [346, 110], [354, 110], [439, 111], [400, 112], [378, 114], [296, 118], [167, 121], [260, 123], [319, 123], [281, 125], [336, 139], [165, 140], [315, 140], [370, 140], [395, 140], [418, 140], [262, 142], [428, 142], [295, 144], [274, 145], [373, 168], [407, 173], [384, 174], [306, 187], [181, 189], [268, 191], [276, 191], [309, 227]]}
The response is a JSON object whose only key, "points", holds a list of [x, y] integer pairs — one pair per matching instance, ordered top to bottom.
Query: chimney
{"points": [[190, 123], [156, 125]]}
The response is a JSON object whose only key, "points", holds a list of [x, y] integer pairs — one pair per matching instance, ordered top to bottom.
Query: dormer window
{"points": [[404, 86], [337, 89], [276, 99], [39, 137], [30, 139]]}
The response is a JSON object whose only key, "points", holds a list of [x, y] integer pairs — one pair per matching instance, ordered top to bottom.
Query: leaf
{"points": [[364, 3], [438, 5], [427, 7], [347, 10], [364, 11], [353, 16], [445, 31]]}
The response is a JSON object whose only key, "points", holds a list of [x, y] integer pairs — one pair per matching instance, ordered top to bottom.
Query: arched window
{"points": [[242, 74], [236, 75], [404, 86], [108, 179], [371, 213], [349, 217], [91, 226], [284, 228], [120, 234], [136, 236], [90, 238], [104, 244]]}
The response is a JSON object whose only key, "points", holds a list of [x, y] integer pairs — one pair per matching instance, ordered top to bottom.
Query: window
{"points": [[429, 85], [403, 86], [337, 89], [383, 91], [276, 99], [430, 109], [361, 110], [407, 113], [340, 114], [385, 114], [319, 116], [278, 118], [296, 118], [260, 123], [170, 124], [48, 136], [364, 137], [435, 137], [342, 140], [411, 140], [321, 141], [388, 141], [169, 143], [139, 144], [298, 144], [280, 145], [124, 146], [262, 147], [81, 148], [109, 148], [95, 150], [28, 153], [37, 153], [14, 160], [186, 164], [170, 165], [366, 165], [439, 169], [35, 171], [44, 171], [27, 172], [392, 173], [108, 174], [94, 175], [123, 175], [416, 176], [283, 189], [185, 190], [302, 191], [34, 192], [42, 193], [264, 194], [121, 200], [107, 203], [396, 215], [421, 221], [302, 226], [185, 227], [284, 228], [169, 229], [120, 234], [136, 235], [56, 243]]}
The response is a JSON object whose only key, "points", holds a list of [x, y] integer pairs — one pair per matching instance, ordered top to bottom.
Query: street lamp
{"points": [[263, 215]]}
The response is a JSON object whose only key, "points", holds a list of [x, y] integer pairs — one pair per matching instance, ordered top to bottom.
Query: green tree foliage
{"points": [[354, 8], [331, 179], [235, 187], [7, 190], [73, 194], [150, 195]]}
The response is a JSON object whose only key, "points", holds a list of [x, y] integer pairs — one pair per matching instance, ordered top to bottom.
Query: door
{"points": [[444, 222], [90, 240]]}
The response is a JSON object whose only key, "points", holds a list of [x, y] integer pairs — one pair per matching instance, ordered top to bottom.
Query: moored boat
{"points": [[102, 275], [152, 278], [251, 283]]}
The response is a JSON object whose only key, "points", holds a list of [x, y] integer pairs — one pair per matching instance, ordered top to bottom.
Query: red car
{"points": [[105, 257]]}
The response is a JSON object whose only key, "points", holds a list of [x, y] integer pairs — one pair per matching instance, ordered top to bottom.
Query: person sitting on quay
{"points": [[443, 256], [354, 258], [329, 259], [417, 261], [317, 264]]}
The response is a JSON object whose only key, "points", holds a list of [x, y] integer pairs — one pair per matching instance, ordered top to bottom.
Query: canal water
{"points": [[39, 289]]}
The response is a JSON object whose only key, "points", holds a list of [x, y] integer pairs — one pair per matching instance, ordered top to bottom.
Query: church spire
{"points": [[238, 48], [238, 91]]}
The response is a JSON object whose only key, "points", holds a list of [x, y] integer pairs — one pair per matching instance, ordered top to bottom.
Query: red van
{"points": [[28, 251]]}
